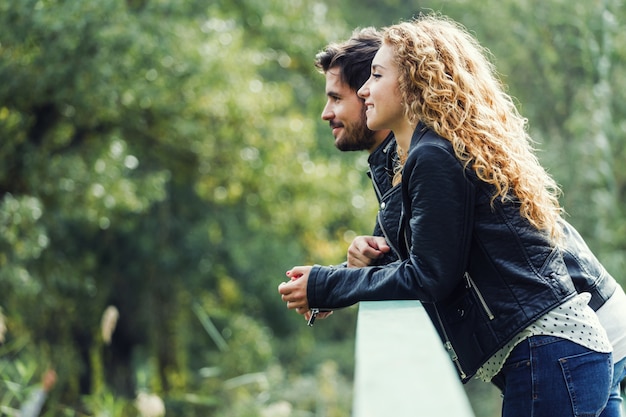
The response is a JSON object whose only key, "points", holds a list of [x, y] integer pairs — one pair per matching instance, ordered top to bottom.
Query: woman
{"points": [[480, 230]]}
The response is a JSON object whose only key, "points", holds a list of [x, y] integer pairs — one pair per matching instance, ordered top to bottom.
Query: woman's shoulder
{"points": [[424, 136], [427, 145]]}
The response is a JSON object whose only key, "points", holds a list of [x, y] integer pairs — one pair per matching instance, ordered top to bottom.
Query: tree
{"points": [[159, 157], [167, 158]]}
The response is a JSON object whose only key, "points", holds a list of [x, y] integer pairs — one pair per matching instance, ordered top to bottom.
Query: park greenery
{"points": [[164, 162]]}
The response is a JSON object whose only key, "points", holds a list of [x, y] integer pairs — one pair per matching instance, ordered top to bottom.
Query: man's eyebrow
{"points": [[333, 94]]}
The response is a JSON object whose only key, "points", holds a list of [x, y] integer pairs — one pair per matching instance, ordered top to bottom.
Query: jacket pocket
{"points": [[471, 285], [467, 328]]}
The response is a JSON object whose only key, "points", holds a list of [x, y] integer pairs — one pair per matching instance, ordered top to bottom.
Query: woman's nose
{"points": [[364, 91]]}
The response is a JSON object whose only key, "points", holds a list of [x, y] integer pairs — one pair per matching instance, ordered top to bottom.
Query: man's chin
{"points": [[349, 147]]}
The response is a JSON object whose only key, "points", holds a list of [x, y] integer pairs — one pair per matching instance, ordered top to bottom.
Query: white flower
{"points": [[108, 323], [3, 326], [150, 405]]}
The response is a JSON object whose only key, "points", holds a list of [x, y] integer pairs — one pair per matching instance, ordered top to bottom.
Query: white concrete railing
{"points": [[402, 368]]}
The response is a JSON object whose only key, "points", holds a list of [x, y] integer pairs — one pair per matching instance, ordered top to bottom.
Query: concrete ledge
{"points": [[402, 368]]}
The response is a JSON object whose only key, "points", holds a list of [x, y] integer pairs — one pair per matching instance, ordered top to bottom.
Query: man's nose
{"points": [[327, 113]]}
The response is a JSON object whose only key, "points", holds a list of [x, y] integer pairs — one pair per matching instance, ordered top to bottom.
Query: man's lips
{"points": [[335, 128]]}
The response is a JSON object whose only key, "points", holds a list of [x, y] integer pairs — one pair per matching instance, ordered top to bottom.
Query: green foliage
{"points": [[161, 155], [155, 156]]}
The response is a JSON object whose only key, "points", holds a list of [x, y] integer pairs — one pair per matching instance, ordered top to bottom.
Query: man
{"points": [[346, 67]]}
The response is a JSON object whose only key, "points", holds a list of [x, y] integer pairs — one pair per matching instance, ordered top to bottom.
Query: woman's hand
{"points": [[294, 292]]}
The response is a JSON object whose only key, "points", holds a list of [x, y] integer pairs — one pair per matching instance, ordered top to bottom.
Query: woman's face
{"points": [[382, 94]]}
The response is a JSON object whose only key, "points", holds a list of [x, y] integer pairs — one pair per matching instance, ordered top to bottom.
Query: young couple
{"points": [[469, 224]]}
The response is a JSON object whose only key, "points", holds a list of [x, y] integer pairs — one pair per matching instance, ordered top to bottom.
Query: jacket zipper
{"points": [[380, 197], [404, 226], [382, 227], [389, 241], [483, 303], [314, 313], [448, 346]]}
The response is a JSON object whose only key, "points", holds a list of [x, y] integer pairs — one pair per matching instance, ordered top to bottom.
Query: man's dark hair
{"points": [[353, 57]]}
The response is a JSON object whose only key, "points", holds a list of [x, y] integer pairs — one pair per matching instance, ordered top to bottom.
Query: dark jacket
{"points": [[381, 163], [482, 271], [587, 272]]}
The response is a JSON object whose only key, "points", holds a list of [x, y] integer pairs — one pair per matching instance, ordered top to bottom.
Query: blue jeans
{"points": [[546, 376], [614, 406]]}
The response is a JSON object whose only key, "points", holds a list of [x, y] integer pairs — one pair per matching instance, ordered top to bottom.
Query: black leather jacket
{"points": [[381, 163], [482, 271], [587, 272]]}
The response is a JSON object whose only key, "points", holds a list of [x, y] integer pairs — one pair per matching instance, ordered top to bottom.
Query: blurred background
{"points": [[163, 163]]}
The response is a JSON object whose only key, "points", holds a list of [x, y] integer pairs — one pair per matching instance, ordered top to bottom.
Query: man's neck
{"points": [[379, 136]]}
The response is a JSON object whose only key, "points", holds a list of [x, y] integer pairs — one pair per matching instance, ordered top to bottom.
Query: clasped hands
{"points": [[362, 252]]}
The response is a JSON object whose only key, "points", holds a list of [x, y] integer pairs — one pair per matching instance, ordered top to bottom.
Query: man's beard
{"points": [[356, 137]]}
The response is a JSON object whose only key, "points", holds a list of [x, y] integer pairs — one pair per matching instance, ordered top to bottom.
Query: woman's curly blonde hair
{"points": [[447, 82]]}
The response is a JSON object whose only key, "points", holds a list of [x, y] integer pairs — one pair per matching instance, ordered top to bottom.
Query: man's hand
{"points": [[365, 249]]}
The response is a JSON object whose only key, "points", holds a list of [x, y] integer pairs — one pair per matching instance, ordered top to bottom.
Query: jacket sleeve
{"points": [[440, 199], [439, 235], [587, 272]]}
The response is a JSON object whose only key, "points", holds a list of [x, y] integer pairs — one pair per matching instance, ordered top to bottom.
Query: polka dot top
{"points": [[573, 320]]}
